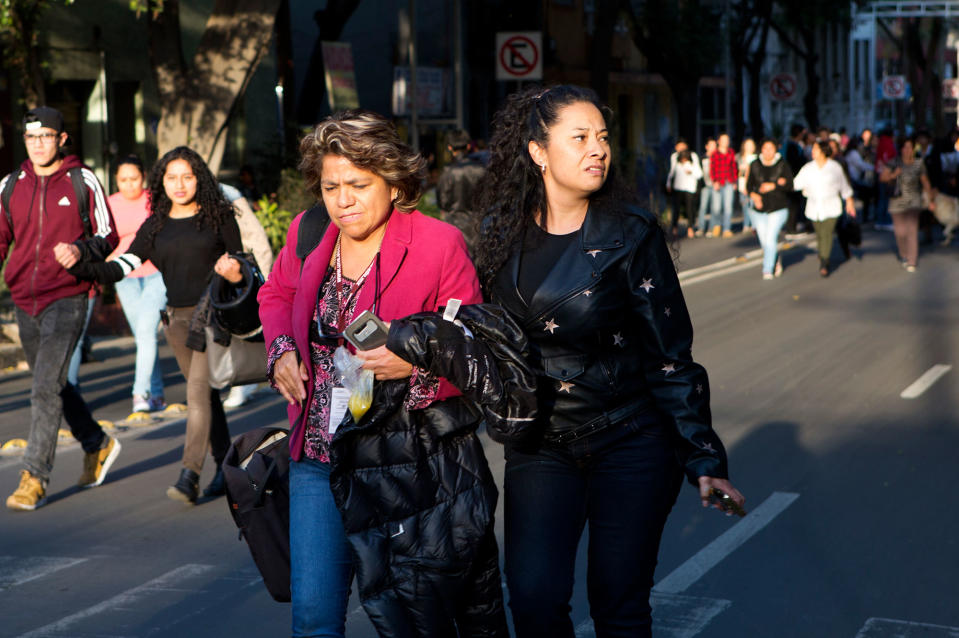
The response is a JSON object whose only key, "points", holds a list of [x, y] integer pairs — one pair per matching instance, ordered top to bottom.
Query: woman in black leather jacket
{"points": [[623, 408]]}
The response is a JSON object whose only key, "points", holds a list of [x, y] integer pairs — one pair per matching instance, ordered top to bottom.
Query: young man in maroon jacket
{"points": [[51, 303]]}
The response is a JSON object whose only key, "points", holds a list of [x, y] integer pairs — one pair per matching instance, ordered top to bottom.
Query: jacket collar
{"points": [[602, 230]]}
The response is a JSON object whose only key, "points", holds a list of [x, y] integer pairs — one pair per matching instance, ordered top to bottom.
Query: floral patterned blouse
{"points": [[423, 386]]}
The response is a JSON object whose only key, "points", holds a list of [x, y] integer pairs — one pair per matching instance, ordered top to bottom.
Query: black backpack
{"points": [[79, 190], [256, 470]]}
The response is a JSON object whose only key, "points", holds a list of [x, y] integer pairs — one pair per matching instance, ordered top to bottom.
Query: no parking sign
{"points": [[519, 55]]}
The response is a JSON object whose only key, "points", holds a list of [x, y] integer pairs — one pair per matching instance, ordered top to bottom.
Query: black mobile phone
{"points": [[366, 332], [725, 502]]}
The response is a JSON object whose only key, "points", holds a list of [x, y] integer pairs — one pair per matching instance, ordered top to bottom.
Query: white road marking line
{"points": [[733, 264], [924, 382], [708, 557], [17, 570], [127, 599], [673, 616], [889, 628]]}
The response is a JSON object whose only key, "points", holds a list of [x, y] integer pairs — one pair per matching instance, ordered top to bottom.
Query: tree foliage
{"points": [[681, 42], [21, 49]]}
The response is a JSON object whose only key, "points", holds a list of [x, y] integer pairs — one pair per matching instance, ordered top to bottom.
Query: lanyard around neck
{"points": [[343, 304]]}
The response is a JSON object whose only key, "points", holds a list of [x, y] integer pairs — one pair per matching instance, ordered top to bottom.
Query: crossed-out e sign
{"points": [[519, 55]]}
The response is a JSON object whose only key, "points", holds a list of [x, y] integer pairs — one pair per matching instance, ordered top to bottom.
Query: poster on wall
{"points": [[339, 75]]}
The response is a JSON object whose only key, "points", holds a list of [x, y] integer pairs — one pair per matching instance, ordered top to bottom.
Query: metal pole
{"points": [[727, 58], [458, 60], [414, 120]]}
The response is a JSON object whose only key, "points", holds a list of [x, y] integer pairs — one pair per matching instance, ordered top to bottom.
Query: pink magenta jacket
{"points": [[423, 263]]}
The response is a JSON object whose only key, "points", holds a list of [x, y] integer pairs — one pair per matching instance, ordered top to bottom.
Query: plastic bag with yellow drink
{"points": [[357, 381]]}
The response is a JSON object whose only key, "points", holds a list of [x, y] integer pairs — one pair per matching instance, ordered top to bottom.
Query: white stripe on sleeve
{"points": [[100, 211], [128, 262]]}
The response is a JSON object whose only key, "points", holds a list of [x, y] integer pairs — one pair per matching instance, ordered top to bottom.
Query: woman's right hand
{"points": [[290, 377]]}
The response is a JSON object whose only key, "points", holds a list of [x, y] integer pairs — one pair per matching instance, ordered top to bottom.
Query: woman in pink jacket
{"points": [[378, 254]]}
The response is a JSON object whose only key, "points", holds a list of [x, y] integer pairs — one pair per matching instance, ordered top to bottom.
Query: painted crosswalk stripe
{"points": [[924, 382], [708, 557], [17, 570], [128, 599], [678, 616], [889, 628]]}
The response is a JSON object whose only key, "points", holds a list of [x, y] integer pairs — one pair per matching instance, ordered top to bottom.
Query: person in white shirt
{"points": [[684, 176], [824, 184]]}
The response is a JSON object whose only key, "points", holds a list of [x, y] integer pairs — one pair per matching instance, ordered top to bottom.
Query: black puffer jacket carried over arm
{"points": [[414, 488]]}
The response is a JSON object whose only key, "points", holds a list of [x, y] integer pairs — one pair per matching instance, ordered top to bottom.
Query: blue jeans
{"points": [[705, 196], [882, 204], [747, 205], [722, 206], [768, 226], [142, 299], [73, 372], [622, 482], [321, 564]]}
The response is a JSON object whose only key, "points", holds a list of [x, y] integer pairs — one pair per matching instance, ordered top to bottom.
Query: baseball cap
{"points": [[43, 117]]}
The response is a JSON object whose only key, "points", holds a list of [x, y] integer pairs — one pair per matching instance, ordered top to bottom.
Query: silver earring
{"points": [[542, 168]]}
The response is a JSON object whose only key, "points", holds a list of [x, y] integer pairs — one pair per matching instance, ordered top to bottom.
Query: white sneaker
{"points": [[239, 394], [141, 403]]}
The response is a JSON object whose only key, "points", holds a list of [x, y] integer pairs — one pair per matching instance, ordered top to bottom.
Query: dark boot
{"points": [[217, 486], [186, 487]]}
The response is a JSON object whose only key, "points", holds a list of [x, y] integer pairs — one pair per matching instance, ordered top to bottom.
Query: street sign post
{"points": [[519, 55]]}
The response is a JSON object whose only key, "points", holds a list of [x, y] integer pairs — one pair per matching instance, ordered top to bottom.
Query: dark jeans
{"points": [[684, 204], [48, 342], [623, 482]]}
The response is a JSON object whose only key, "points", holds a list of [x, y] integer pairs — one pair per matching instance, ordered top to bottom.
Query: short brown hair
{"points": [[370, 142]]}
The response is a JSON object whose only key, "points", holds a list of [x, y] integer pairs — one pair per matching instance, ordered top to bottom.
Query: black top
{"points": [[760, 173], [541, 251], [183, 254]]}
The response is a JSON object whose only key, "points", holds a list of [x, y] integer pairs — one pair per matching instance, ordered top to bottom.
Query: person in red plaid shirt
{"points": [[724, 172]]}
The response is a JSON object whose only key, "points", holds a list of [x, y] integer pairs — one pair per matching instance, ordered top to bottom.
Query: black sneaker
{"points": [[217, 486], [186, 487]]}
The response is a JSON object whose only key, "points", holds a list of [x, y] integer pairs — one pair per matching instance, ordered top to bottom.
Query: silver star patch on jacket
{"points": [[647, 285], [551, 326], [566, 386]]}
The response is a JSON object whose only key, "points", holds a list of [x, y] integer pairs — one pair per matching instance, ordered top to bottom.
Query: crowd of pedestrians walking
{"points": [[819, 182], [569, 338], [598, 431]]}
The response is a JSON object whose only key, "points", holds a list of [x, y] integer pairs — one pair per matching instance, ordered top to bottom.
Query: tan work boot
{"points": [[97, 464], [31, 494]]}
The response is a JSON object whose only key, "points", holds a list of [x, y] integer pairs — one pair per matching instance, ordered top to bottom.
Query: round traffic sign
{"points": [[518, 56], [894, 86], [782, 87]]}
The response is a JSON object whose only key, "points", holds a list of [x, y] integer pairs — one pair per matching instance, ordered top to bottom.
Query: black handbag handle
{"points": [[259, 489]]}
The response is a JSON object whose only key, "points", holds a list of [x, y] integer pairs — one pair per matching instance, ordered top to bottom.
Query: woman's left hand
{"points": [[228, 268], [384, 364], [707, 483]]}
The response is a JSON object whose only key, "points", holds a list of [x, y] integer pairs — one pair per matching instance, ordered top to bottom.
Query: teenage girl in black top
{"points": [[187, 236]]}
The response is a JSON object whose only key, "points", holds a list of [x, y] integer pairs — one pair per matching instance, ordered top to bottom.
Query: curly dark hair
{"points": [[512, 193], [212, 208]]}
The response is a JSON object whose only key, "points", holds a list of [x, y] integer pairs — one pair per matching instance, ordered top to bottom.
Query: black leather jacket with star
{"points": [[610, 338]]}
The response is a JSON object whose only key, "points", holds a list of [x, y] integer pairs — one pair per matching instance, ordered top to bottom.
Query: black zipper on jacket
{"points": [[36, 257]]}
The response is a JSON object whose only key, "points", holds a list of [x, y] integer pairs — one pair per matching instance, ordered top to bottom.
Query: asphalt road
{"points": [[851, 532]]}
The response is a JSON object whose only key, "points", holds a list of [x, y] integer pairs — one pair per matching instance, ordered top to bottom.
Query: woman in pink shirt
{"points": [[142, 293]]}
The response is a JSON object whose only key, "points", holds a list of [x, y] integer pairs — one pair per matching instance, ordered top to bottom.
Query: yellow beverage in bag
{"points": [[359, 403]]}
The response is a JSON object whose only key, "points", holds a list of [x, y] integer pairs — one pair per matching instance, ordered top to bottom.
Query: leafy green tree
{"points": [[21, 53]]}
